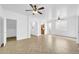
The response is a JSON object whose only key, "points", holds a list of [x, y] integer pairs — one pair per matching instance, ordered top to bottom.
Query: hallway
{"points": [[44, 44]]}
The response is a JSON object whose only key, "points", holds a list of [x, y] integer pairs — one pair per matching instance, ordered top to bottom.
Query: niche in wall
{"points": [[11, 28], [34, 28]]}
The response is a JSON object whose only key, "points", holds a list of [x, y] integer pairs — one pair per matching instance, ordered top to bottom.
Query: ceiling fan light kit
{"points": [[35, 12]]}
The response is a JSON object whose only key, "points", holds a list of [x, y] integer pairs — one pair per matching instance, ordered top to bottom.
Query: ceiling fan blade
{"points": [[31, 5], [35, 7], [40, 8], [28, 10], [39, 12]]}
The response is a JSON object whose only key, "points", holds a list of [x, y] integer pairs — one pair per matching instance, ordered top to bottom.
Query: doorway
{"points": [[43, 29], [11, 30]]}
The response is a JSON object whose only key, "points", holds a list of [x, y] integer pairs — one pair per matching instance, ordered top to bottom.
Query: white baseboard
{"points": [[71, 38]]}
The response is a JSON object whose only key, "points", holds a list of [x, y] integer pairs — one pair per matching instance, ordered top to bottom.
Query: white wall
{"points": [[1, 11], [72, 26], [67, 27], [34, 28], [1, 30], [78, 32]]}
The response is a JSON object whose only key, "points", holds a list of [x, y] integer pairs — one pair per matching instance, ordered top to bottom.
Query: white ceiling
{"points": [[20, 8]]}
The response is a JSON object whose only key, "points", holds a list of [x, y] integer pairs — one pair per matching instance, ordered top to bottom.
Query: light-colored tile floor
{"points": [[43, 45]]}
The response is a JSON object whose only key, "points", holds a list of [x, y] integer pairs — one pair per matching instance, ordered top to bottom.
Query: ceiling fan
{"points": [[35, 9]]}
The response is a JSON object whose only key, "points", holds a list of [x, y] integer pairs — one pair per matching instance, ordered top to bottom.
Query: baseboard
{"points": [[33, 35], [11, 37], [72, 38]]}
